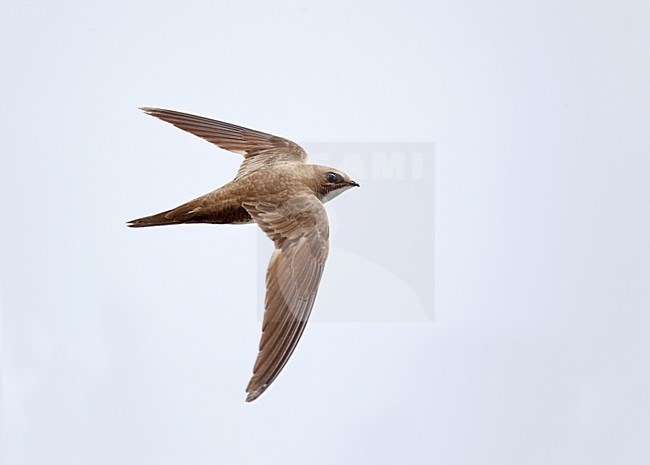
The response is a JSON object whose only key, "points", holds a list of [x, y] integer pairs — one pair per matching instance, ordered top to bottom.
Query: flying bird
{"points": [[284, 195]]}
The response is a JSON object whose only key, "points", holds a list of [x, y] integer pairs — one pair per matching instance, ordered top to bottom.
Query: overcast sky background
{"points": [[134, 347]]}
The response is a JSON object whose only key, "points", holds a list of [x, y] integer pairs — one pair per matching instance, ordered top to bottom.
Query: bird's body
{"points": [[276, 189]]}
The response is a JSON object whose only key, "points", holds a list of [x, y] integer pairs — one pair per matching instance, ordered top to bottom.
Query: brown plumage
{"points": [[276, 189]]}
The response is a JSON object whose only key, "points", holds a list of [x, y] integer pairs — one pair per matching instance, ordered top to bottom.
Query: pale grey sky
{"points": [[134, 347]]}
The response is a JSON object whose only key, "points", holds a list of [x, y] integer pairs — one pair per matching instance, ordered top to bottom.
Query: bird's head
{"points": [[331, 182]]}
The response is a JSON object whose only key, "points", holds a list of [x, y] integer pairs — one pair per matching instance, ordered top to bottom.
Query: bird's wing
{"points": [[258, 148], [300, 231]]}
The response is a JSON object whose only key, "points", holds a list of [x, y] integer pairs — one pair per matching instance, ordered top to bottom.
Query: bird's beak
{"points": [[354, 184]]}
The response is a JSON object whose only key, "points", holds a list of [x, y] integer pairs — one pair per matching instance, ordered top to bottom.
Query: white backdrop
{"points": [[134, 347]]}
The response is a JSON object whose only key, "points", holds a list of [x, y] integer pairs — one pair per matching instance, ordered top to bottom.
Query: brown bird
{"points": [[276, 189]]}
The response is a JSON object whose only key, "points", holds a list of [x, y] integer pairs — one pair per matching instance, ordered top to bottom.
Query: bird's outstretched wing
{"points": [[258, 148], [300, 231]]}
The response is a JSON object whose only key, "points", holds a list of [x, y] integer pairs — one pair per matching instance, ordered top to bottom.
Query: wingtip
{"points": [[254, 393]]}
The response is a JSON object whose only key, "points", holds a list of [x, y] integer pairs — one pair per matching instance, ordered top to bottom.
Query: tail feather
{"points": [[196, 211], [177, 215], [153, 220]]}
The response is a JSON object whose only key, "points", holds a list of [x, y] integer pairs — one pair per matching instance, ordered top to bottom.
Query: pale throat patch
{"points": [[331, 194]]}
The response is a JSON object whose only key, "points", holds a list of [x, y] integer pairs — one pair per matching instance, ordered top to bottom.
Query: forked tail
{"points": [[201, 210], [159, 219]]}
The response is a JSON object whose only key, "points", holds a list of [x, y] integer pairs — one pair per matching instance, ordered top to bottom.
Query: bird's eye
{"points": [[333, 178]]}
